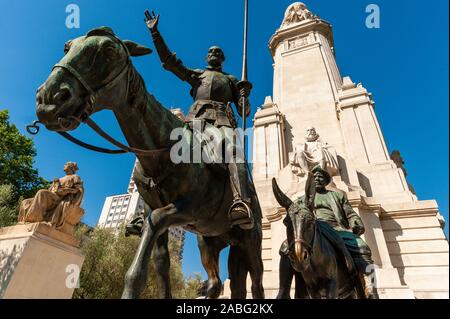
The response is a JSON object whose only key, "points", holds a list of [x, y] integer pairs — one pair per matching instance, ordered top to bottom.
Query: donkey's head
{"points": [[92, 75], [300, 222]]}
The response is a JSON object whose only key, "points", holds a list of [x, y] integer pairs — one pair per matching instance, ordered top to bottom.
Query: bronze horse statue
{"points": [[95, 74], [315, 254]]}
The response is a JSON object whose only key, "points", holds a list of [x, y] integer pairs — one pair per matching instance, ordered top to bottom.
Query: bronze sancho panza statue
{"points": [[213, 92], [57, 206], [324, 248]]}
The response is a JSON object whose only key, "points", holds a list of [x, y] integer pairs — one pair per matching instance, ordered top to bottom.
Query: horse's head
{"points": [[92, 75], [300, 223]]}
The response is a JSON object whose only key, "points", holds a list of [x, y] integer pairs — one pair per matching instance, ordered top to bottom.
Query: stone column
{"points": [[366, 149], [270, 155]]}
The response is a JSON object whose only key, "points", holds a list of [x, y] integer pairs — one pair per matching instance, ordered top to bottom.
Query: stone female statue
{"points": [[53, 205]]}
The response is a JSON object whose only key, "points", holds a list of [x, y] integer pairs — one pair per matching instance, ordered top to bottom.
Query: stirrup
{"points": [[240, 214]]}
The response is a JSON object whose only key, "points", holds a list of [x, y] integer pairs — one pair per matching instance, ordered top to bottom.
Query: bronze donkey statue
{"points": [[95, 74], [314, 254]]}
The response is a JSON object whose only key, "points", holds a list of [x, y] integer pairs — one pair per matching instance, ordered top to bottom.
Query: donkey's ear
{"points": [[136, 49], [310, 191], [281, 198]]}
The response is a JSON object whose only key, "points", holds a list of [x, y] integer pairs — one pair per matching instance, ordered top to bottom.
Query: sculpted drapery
{"points": [[311, 153], [52, 205]]}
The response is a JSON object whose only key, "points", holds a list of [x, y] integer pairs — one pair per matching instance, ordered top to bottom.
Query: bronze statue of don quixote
{"points": [[217, 201]]}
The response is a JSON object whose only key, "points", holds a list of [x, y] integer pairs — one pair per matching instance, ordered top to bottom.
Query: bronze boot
{"points": [[240, 212]]}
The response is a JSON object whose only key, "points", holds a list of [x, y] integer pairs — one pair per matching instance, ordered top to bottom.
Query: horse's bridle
{"points": [[84, 117], [308, 245]]}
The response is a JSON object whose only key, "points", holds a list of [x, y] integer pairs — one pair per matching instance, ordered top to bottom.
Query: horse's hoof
{"points": [[214, 290]]}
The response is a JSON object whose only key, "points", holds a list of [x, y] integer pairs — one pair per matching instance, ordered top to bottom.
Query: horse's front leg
{"points": [[154, 225], [162, 266], [285, 278], [301, 291]]}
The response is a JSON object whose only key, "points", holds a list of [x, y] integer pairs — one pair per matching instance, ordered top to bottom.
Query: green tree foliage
{"points": [[17, 154], [8, 206], [107, 258]]}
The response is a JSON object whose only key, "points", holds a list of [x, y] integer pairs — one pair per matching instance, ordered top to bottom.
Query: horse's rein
{"points": [[84, 117]]}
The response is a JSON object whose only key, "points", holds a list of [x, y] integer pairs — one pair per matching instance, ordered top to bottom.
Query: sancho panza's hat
{"points": [[319, 169]]}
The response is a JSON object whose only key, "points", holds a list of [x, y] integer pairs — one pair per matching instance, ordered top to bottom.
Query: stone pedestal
{"points": [[38, 261]]}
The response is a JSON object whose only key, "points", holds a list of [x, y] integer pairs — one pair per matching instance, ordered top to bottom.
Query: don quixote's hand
{"points": [[151, 20], [244, 88], [245, 92], [357, 228]]}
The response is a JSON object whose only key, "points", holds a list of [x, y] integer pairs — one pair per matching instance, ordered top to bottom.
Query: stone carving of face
{"points": [[215, 57], [311, 134], [70, 168]]}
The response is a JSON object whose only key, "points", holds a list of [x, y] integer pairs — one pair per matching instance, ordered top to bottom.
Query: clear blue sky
{"points": [[404, 64]]}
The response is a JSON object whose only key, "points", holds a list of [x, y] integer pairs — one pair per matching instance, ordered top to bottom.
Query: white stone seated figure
{"points": [[311, 153]]}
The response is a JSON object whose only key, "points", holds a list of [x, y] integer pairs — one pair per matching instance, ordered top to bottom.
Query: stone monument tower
{"points": [[405, 234]]}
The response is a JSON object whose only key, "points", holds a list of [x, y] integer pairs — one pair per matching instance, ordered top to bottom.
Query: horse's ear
{"points": [[136, 49], [310, 191], [281, 198]]}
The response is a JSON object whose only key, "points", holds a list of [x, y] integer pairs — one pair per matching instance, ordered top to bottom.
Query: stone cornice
{"points": [[303, 27], [354, 97], [268, 115], [410, 212], [275, 214], [41, 231]]}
